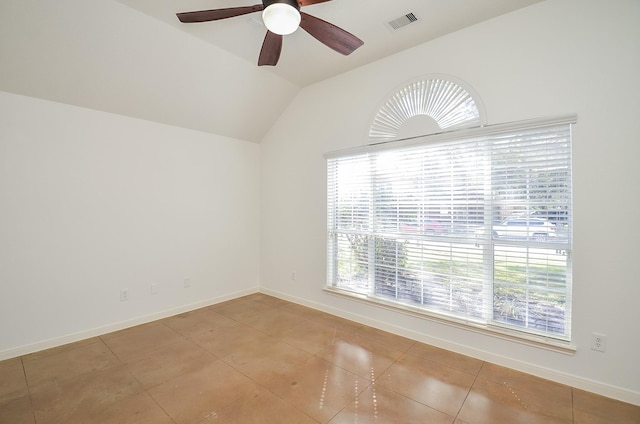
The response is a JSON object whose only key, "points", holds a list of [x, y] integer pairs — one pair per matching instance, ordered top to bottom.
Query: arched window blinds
{"points": [[447, 103]]}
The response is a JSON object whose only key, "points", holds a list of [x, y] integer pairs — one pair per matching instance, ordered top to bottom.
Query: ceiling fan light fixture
{"points": [[281, 17]]}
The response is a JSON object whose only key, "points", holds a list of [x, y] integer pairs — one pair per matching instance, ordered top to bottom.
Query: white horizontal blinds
{"points": [[531, 189], [349, 193], [428, 200], [476, 228]]}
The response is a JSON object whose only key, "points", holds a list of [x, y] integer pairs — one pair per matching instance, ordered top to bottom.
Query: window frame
{"points": [[559, 344]]}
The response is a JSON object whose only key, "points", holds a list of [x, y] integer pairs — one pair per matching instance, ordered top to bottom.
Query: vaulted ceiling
{"points": [[134, 58]]}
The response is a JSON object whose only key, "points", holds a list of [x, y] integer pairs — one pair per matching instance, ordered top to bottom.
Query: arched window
{"points": [[426, 105], [444, 216]]}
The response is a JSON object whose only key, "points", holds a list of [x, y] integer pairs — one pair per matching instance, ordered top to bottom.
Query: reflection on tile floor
{"points": [[258, 359]]}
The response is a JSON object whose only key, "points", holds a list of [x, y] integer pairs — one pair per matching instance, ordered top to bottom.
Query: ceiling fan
{"points": [[282, 17]]}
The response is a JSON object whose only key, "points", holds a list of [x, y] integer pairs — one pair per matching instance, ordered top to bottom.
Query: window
{"points": [[433, 102], [472, 226]]}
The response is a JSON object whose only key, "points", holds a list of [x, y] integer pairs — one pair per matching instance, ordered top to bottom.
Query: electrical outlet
{"points": [[294, 276], [186, 282], [154, 289], [124, 295], [598, 342]]}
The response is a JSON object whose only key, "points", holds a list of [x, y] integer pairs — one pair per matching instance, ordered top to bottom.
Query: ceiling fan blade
{"points": [[310, 2], [216, 14], [330, 35], [271, 48]]}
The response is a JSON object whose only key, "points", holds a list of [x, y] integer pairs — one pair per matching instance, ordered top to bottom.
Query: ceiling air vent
{"points": [[402, 21]]}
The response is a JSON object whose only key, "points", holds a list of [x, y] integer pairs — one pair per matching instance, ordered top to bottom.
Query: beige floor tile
{"points": [[270, 301], [241, 309], [304, 311], [201, 321], [274, 322], [338, 322], [313, 336], [384, 337], [136, 341], [224, 341], [62, 348], [361, 356], [447, 358], [263, 362], [61, 364], [160, 365], [12, 381], [521, 382], [430, 383], [318, 388], [194, 396], [77, 399], [489, 401], [379, 405], [259, 406], [590, 408], [136, 409], [478, 409], [17, 411], [581, 417]]}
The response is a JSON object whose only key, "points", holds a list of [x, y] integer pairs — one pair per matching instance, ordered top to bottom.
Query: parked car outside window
{"points": [[524, 227]]}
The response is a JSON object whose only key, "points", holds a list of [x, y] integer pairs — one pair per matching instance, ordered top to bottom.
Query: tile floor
{"points": [[259, 359]]}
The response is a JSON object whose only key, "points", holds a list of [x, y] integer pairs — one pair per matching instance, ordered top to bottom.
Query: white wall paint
{"points": [[106, 56], [554, 58], [93, 202]]}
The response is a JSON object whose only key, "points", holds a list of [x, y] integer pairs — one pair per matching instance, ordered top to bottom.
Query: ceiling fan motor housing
{"points": [[292, 3]]}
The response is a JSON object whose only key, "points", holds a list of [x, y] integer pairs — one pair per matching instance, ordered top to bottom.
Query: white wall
{"points": [[106, 56], [554, 58], [92, 202]]}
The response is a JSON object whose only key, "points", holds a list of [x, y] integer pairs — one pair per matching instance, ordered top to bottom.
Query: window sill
{"points": [[542, 342]]}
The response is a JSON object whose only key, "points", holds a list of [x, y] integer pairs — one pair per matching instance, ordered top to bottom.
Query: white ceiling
{"points": [[134, 58], [305, 60]]}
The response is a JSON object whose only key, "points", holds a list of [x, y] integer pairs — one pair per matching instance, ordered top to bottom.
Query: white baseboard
{"points": [[98, 331], [578, 382]]}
